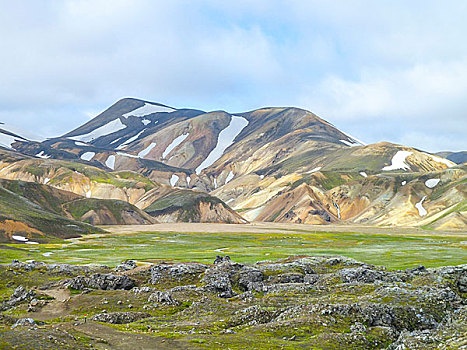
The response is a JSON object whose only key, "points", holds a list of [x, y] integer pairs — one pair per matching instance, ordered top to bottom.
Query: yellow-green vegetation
{"points": [[392, 251]]}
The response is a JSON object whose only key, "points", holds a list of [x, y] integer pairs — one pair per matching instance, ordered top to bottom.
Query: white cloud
{"points": [[392, 63]]}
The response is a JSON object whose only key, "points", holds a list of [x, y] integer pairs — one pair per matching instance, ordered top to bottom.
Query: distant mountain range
{"points": [[270, 164]]}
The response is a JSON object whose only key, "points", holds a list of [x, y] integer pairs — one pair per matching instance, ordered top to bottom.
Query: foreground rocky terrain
{"points": [[299, 302]]}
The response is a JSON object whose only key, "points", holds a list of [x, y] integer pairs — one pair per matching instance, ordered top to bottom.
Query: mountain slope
{"points": [[280, 164], [22, 216]]}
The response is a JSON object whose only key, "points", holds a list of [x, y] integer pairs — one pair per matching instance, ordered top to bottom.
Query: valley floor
{"points": [[391, 247], [285, 287]]}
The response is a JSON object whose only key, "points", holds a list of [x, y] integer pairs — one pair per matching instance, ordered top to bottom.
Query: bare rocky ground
{"points": [[296, 303]]}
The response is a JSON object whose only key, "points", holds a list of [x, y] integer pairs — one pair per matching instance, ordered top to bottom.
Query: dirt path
{"points": [[54, 308], [107, 337]]}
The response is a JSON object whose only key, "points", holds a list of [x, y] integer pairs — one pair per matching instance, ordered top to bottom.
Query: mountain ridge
{"points": [[250, 160]]}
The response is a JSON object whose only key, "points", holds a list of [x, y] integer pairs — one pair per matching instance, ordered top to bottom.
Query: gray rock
{"points": [[221, 259], [126, 265], [176, 272], [360, 275], [249, 278], [101, 281], [20, 295], [162, 298], [120, 317], [24, 322]]}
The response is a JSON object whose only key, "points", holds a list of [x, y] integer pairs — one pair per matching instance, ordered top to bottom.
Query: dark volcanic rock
{"points": [[127, 265], [176, 272], [101, 281], [20, 295], [120, 317]]}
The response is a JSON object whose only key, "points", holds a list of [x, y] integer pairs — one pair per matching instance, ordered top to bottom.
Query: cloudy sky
{"points": [[380, 70]]}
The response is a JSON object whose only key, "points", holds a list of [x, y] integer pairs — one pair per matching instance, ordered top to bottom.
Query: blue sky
{"points": [[379, 70]]}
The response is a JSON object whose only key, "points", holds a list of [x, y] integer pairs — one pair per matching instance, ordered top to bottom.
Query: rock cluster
{"points": [[101, 281], [120, 317]]}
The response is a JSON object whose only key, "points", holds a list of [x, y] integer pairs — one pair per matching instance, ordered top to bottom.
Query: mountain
{"points": [[456, 157], [280, 164]]}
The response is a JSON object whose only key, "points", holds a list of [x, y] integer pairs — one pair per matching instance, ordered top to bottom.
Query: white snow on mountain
{"points": [[147, 109], [146, 121], [107, 129], [353, 138], [131, 139], [225, 139], [7, 140], [177, 141], [79, 143], [350, 143], [146, 151], [42, 155], [126, 155], [88, 156], [441, 160], [398, 161], [110, 162], [314, 170], [363, 174], [229, 177], [173, 180], [432, 183], [421, 211]]}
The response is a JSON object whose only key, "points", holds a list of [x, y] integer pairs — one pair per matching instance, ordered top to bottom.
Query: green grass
{"points": [[392, 251]]}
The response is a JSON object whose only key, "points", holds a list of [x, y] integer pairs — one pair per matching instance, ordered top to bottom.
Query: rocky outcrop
{"points": [[101, 281], [20, 295], [120, 317]]}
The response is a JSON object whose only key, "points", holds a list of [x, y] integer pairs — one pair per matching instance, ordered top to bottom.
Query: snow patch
{"points": [[147, 109], [146, 121], [109, 128], [353, 138], [225, 139], [7, 140], [130, 140], [177, 141], [78, 143], [350, 143], [146, 151], [42, 155], [127, 155], [88, 156], [441, 160], [398, 161], [110, 162], [314, 170], [363, 174], [229, 177], [46, 180], [173, 180], [188, 180], [215, 182], [403, 183], [432, 183], [88, 194], [338, 209], [421, 211], [19, 238], [31, 242], [47, 254]]}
